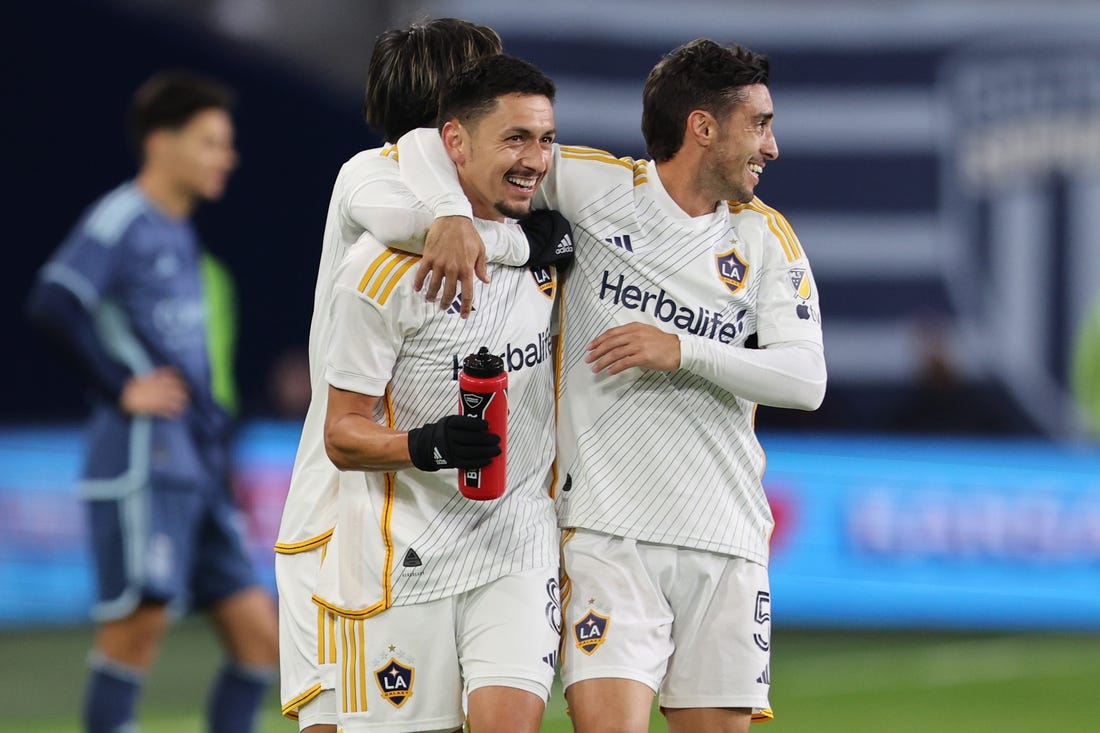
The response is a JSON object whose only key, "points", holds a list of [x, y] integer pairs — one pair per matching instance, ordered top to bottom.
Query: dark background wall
{"points": [[73, 66], [860, 177]]}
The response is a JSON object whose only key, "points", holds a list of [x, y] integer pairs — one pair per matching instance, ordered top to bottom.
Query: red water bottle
{"points": [[483, 392]]}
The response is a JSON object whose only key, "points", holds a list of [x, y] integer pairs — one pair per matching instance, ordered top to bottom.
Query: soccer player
{"points": [[407, 69], [124, 299], [691, 301], [438, 595]]}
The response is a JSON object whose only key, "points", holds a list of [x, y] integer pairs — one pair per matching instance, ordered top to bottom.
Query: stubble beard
{"points": [[512, 212]]}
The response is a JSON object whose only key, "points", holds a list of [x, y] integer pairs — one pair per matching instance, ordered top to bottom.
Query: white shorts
{"points": [[692, 625], [307, 644], [409, 667]]}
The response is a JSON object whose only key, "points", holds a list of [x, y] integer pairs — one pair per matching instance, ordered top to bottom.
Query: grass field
{"points": [[822, 682]]}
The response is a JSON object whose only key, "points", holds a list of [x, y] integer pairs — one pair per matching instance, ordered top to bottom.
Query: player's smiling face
{"points": [[744, 146], [506, 154]]}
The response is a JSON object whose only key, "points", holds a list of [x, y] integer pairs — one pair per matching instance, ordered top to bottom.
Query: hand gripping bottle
{"points": [[483, 392]]}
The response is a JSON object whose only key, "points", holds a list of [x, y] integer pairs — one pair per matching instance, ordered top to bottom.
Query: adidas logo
{"points": [[622, 242], [565, 246], [456, 306], [439, 459], [412, 560], [552, 659], [765, 677]]}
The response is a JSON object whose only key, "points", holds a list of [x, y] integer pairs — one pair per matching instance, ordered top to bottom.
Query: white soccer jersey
{"points": [[368, 195], [665, 457], [409, 536]]}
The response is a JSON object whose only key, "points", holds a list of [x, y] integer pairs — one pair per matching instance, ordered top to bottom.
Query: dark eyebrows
{"points": [[524, 132]]}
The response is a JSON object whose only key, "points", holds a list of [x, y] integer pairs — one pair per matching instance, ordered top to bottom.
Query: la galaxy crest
{"points": [[733, 271], [544, 278], [590, 632], [395, 682]]}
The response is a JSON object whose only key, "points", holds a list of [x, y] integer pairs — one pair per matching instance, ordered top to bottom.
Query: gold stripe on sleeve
{"points": [[584, 150], [602, 156], [785, 225], [774, 226], [790, 240], [374, 268], [396, 278], [377, 281], [293, 548]]}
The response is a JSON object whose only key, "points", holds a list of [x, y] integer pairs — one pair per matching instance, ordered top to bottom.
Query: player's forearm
{"points": [[430, 174], [394, 216], [401, 227], [504, 245], [790, 375], [355, 442]]}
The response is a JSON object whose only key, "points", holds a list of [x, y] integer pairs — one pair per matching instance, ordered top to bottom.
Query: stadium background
{"points": [[937, 556]]}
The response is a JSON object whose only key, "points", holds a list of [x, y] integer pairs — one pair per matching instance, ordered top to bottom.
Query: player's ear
{"points": [[701, 127], [455, 141]]}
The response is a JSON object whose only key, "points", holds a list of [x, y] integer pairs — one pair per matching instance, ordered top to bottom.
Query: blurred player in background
{"points": [[407, 69], [691, 301], [132, 303], [441, 597]]}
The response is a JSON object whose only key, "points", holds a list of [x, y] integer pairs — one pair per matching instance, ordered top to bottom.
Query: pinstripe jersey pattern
{"points": [[368, 194], [395, 345], [668, 457]]}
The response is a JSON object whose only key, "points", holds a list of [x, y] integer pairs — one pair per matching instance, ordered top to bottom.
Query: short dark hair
{"points": [[409, 66], [698, 75], [473, 90], [168, 100]]}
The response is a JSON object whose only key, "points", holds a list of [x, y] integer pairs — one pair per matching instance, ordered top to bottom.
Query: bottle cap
{"points": [[483, 364]]}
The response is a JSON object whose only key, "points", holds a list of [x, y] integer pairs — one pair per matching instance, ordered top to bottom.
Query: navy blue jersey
{"points": [[137, 272]]}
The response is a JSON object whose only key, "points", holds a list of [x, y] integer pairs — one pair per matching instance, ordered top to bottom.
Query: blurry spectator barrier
{"points": [[869, 531]]}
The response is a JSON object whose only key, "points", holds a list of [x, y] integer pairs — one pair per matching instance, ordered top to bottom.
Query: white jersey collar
{"points": [[661, 197]]}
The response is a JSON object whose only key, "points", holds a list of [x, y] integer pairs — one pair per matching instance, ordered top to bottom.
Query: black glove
{"points": [[550, 238], [456, 441]]}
